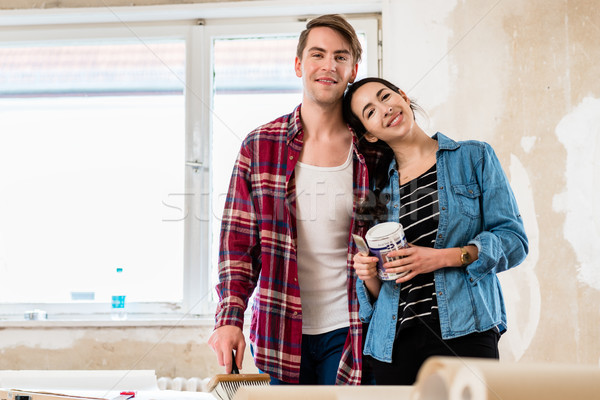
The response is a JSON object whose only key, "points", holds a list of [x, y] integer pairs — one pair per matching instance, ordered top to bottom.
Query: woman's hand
{"points": [[416, 260], [365, 266], [366, 270]]}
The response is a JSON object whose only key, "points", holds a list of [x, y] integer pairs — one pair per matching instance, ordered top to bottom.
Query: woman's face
{"points": [[385, 114]]}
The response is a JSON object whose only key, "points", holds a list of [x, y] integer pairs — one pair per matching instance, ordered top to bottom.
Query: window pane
{"points": [[254, 83], [91, 145]]}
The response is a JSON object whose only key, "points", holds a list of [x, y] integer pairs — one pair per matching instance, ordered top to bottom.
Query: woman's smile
{"points": [[396, 120]]}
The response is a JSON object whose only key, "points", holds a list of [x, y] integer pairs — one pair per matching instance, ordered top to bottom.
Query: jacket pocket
{"points": [[468, 199]]}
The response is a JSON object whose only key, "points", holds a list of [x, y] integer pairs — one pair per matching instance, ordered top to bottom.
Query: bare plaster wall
{"points": [[27, 4], [520, 74], [171, 351]]}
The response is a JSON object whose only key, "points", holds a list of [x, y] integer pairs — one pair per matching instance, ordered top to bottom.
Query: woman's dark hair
{"points": [[378, 156]]}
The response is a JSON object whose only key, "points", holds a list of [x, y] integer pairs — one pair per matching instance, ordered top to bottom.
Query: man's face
{"points": [[326, 67]]}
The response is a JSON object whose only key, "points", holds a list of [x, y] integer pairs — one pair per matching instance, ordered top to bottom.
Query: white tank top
{"points": [[323, 214]]}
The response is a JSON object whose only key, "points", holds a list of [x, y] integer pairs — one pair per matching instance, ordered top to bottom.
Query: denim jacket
{"points": [[477, 207]]}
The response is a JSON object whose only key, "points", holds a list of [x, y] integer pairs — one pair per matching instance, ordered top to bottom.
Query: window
{"points": [[254, 83], [92, 146], [116, 150]]}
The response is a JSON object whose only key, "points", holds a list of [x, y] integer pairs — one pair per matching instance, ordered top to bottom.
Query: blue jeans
{"points": [[320, 359]]}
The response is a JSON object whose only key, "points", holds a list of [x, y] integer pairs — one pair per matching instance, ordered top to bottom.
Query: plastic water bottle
{"points": [[118, 312]]}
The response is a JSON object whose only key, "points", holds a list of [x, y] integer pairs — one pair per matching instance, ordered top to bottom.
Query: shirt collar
{"points": [[295, 124], [295, 127], [445, 143], [392, 168]]}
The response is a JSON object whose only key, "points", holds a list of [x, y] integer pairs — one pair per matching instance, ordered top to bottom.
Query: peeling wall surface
{"points": [[48, 4], [519, 74], [171, 351]]}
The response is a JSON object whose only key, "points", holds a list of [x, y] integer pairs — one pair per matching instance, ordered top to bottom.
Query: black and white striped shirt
{"points": [[419, 216]]}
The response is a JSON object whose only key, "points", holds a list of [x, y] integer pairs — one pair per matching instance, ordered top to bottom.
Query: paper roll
{"points": [[455, 378], [300, 392]]}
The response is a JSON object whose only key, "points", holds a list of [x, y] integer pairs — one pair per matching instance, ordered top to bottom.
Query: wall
{"points": [[44, 4], [520, 74], [168, 349]]}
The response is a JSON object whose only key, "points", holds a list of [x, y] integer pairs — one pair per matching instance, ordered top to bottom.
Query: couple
{"points": [[304, 182]]}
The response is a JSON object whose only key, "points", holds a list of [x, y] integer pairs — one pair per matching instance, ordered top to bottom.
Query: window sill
{"points": [[105, 322]]}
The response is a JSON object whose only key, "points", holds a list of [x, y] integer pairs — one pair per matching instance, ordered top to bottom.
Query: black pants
{"points": [[415, 344]]}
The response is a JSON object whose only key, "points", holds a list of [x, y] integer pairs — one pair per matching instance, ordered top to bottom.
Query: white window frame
{"points": [[218, 29], [64, 35], [198, 286]]}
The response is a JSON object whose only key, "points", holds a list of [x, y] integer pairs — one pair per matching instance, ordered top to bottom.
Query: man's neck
{"points": [[321, 121], [326, 136]]}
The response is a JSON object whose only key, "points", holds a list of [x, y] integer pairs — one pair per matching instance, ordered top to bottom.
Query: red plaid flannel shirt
{"points": [[258, 250]]}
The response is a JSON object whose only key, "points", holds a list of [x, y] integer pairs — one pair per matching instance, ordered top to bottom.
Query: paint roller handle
{"points": [[234, 367]]}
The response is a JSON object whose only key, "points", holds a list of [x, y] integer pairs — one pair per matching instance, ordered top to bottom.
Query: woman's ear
{"points": [[404, 96], [370, 137]]}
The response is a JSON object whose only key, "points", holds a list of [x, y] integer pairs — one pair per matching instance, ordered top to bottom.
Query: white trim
{"points": [[241, 9], [75, 33], [70, 34], [386, 66], [197, 279], [87, 310], [94, 321]]}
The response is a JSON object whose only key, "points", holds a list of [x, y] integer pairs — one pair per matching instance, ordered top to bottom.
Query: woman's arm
{"points": [[502, 244], [366, 270], [368, 285]]}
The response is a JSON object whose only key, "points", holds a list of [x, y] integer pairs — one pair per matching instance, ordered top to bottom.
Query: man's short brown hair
{"points": [[337, 23]]}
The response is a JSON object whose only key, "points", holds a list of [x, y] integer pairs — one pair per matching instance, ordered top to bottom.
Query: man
{"points": [[286, 227]]}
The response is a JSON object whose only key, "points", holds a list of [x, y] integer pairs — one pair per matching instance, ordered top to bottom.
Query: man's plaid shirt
{"points": [[258, 249]]}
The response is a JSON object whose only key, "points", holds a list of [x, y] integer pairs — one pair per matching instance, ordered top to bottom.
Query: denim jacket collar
{"points": [[444, 142]]}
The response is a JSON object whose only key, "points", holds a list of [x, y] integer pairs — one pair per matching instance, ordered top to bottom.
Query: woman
{"points": [[463, 225]]}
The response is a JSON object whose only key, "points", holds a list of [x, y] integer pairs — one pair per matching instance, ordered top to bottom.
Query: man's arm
{"points": [[238, 267]]}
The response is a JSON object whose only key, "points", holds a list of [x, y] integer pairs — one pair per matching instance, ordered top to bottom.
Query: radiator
{"points": [[183, 384]]}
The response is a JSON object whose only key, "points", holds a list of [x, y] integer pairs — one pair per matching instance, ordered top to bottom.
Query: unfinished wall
{"points": [[42, 4], [520, 74], [172, 350]]}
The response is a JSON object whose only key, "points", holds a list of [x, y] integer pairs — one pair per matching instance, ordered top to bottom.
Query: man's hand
{"points": [[223, 340]]}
